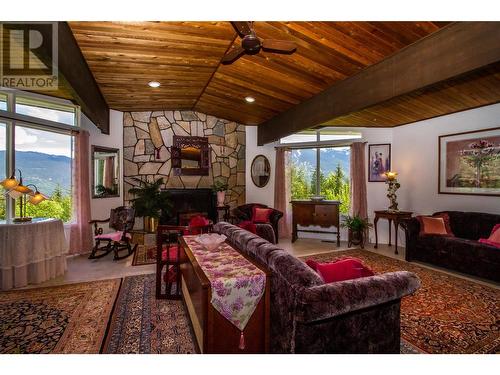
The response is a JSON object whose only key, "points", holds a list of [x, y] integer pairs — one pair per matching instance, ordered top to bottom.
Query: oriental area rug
{"points": [[144, 255], [447, 314], [70, 318]]}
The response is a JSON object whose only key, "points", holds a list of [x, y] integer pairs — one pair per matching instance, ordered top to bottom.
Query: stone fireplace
{"points": [[148, 136]]}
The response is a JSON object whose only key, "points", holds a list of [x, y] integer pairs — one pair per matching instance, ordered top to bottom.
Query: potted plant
{"points": [[220, 186], [150, 202], [357, 229]]}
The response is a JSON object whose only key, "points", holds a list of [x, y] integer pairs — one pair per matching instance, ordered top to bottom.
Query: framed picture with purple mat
{"points": [[379, 161], [469, 163]]}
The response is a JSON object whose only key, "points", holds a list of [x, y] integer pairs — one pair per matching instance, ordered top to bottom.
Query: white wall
{"points": [[415, 158], [254, 194], [101, 207]]}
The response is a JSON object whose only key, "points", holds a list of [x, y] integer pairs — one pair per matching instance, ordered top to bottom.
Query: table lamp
{"points": [[393, 186], [16, 190]]}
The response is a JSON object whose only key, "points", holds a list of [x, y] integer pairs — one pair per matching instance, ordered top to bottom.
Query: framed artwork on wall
{"points": [[379, 161], [469, 163]]}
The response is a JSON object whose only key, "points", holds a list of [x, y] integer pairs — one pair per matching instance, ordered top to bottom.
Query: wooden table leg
{"points": [[375, 221], [396, 225], [390, 228], [338, 237]]}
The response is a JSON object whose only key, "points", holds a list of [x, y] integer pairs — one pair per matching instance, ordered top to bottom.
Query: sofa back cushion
{"points": [[438, 224], [472, 225]]}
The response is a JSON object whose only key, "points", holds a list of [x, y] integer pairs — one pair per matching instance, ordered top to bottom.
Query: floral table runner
{"points": [[237, 284]]}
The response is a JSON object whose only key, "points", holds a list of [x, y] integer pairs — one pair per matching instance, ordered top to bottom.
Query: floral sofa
{"points": [[462, 252], [309, 316]]}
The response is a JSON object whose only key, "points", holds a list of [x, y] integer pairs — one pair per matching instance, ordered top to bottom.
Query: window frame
{"points": [[13, 119]]}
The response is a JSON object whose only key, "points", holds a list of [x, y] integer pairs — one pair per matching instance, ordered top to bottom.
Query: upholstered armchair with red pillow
{"points": [[266, 221]]}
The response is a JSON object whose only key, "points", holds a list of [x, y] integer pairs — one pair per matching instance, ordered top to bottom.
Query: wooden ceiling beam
{"points": [[454, 50], [79, 80]]}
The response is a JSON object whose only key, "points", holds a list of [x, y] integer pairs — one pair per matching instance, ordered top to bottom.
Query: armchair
{"points": [[121, 219], [268, 231]]}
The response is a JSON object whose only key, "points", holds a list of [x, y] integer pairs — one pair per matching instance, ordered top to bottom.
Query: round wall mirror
{"points": [[260, 171]]}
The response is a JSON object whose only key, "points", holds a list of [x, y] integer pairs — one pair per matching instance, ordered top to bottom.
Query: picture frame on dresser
{"points": [[379, 161], [469, 163]]}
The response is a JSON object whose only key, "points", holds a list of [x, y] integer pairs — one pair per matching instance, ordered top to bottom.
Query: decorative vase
{"points": [[221, 196], [150, 224]]}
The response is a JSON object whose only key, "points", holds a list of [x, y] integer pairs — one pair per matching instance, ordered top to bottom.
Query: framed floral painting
{"points": [[379, 161], [469, 163]]}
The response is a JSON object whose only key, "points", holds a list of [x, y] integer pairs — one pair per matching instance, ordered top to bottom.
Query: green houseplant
{"points": [[220, 186], [150, 202], [357, 229]]}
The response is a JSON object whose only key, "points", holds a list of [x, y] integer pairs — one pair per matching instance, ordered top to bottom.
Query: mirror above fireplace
{"points": [[190, 156]]}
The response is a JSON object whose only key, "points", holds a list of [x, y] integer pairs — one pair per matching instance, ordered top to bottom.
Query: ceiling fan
{"points": [[251, 44]]}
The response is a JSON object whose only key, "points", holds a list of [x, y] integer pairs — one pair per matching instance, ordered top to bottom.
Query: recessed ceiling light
{"points": [[154, 84], [249, 99]]}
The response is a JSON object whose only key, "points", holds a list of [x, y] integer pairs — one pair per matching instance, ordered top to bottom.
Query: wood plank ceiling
{"points": [[185, 58]]}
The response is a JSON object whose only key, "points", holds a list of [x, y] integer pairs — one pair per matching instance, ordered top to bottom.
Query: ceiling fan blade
{"points": [[242, 27], [283, 46], [232, 55]]}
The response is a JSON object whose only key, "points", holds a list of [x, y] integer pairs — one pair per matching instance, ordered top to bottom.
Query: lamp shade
{"points": [[9, 183], [37, 197]]}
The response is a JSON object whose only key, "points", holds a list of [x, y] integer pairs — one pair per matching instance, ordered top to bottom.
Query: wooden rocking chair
{"points": [[122, 220]]}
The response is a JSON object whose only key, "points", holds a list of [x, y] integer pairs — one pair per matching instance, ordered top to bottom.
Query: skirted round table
{"points": [[31, 253]]}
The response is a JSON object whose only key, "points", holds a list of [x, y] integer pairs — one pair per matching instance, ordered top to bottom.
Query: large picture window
{"points": [[41, 146], [319, 164]]}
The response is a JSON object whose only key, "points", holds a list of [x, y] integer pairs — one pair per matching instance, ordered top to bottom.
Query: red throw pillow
{"points": [[261, 215], [438, 224], [249, 226], [494, 239], [345, 269]]}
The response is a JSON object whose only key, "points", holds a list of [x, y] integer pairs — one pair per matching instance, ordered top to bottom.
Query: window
{"points": [[3, 102], [46, 110], [42, 151], [45, 157], [320, 164], [333, 177]]}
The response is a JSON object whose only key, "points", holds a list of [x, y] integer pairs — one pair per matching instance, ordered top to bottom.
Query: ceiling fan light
{"points": [[154, 84], [249, 99]]}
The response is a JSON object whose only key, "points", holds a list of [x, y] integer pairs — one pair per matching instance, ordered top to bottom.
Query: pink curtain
{"points": [[282, 191], [359, 204], [80, 240]]}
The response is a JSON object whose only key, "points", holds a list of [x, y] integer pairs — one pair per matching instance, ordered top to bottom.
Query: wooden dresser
{"points": [[324, 214]]}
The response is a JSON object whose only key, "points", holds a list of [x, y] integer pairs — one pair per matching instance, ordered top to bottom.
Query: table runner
{"points": [[237, 285]]}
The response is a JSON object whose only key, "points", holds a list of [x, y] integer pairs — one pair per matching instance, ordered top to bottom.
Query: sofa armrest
{"points": [[412, 231], [338, 298]]}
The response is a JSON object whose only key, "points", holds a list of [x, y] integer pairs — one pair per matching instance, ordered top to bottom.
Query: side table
{"points": [[397, 217]]}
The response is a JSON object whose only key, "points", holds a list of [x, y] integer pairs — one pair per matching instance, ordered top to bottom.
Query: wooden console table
{"points": [[321, 213], [391, 216], [213, 332]]}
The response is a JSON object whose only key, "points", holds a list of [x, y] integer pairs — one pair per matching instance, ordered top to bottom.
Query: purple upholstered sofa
{"points": [[309, 316]]}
